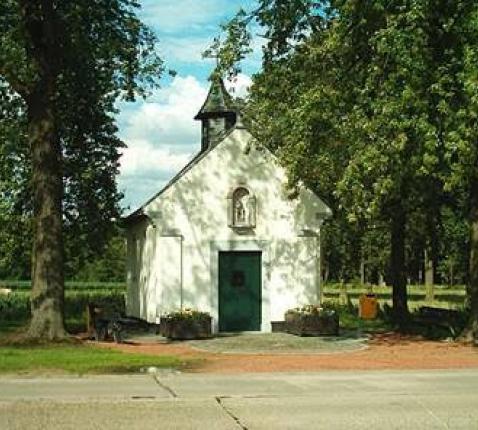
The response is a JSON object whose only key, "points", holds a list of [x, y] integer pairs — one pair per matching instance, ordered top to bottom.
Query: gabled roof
{"points": [[218, 100], [139, 214]]}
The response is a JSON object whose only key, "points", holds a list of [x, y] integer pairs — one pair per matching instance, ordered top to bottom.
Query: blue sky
{"points": [[160, 132]]}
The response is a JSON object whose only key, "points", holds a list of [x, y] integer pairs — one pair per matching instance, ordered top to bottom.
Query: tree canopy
{"points": [[63, 65], [379, 118]]}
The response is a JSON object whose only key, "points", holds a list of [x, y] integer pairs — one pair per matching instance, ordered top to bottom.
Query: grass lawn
{"points": [[445, 297], [349, 320], [72, 357], [77, 359]]}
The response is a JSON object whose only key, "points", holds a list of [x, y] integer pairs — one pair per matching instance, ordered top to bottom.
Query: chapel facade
{"points": [[224, 236]]}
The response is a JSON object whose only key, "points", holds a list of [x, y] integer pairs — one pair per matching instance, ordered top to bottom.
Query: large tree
{"points": [[68, 62], [380, 109]]}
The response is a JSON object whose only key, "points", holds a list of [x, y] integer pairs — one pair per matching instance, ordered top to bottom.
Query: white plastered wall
{"points": [[188, 226]]}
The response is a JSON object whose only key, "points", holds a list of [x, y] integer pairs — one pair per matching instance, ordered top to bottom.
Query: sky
{"points": [[160, 132]]}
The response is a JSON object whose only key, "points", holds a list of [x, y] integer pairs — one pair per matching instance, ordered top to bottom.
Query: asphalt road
{"points": [[168, 400]]}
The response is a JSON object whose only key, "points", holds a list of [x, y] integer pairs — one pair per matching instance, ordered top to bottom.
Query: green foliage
{"points": [[233, 49], [109, 56], [379, 120], [453, 265], [109, 266], [16, 305], [349, 319]]}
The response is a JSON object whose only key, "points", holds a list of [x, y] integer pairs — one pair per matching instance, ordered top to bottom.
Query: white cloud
{"points": [[190, 15], [185, 49], [167, 117], [161, 135], [142, 159], [146, 168]]}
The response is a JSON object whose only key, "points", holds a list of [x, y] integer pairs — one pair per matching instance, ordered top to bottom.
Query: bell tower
{"points": [[217, 114]]}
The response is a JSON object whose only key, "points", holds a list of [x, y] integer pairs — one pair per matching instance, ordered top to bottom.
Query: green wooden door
{"points": [[240, 290]]}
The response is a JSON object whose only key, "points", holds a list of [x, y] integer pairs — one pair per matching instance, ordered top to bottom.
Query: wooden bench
{"points": [[104, 324]]}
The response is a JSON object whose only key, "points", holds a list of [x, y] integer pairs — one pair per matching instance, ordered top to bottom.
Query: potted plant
{"points": [[312, 320], [185, 324]]}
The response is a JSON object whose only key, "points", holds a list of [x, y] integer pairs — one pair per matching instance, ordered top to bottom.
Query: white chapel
{"points": [[223, 236]]}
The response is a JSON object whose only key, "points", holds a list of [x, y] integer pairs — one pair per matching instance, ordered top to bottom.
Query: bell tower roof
{"points": [[218, 101]]}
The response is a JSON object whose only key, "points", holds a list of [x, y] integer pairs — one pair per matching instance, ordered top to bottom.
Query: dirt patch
{"points": [[385, 351]]}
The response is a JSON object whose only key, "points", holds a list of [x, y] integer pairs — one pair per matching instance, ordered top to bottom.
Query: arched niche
{"points": [[241, 208]]}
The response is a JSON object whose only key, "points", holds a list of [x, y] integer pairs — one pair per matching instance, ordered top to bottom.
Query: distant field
{"points": [[69, 285], [445, 297], [15, 307]]}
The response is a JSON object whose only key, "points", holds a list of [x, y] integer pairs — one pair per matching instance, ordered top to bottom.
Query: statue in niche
{"points": [[241, 206]]}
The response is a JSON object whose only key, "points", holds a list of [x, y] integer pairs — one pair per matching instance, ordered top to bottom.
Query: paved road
{"points": [[168, 400]]}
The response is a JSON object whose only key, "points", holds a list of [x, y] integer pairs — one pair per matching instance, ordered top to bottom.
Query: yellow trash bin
{"points": [[368, 306]]}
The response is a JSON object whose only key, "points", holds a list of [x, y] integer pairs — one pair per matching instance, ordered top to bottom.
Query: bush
{"points": [[76, 301], [16, 305]]}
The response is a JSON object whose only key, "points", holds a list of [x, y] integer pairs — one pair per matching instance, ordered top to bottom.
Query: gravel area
{"points": [[279, 343]]}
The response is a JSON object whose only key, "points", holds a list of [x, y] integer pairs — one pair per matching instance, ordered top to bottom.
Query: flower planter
{"points": [[312, 324], [183, 329]]}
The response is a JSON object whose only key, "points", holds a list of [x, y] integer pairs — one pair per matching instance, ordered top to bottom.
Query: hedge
{"points": [[69, 285], [16, 305]]}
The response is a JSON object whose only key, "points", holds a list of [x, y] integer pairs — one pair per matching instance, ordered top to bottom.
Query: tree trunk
{"points": [[45, 47], [397, 269], [362, 270], [429, 278], [452, 280], [47, 296], [470, 333]]}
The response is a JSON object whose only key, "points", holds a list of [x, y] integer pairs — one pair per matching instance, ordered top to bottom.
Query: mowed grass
{"points": [[445, 297], [18, 356], [78, 359]]}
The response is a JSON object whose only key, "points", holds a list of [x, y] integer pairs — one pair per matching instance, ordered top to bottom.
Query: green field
{"points": [[69, 285], [444, 297], [15, 307]]}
